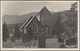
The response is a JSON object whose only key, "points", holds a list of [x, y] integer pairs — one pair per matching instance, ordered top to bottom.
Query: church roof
{"points": [[44, 9], [29, 21], [26, 22]]}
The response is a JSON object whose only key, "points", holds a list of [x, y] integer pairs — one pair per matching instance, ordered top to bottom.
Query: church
{"points": [[36, 26]]}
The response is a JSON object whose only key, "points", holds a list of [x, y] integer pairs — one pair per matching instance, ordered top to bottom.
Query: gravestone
{"points": [[12, 39], [42, 42]]}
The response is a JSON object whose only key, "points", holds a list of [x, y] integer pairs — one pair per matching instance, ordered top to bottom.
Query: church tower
{"points": [[45, 16], [45, 19]]}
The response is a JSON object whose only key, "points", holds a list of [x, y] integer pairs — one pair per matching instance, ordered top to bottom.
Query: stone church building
{"points": [[46, 20], [40, 25], [32, 29]]}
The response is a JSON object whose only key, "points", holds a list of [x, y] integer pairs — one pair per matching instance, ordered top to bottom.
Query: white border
{"points": [[40, 48]]}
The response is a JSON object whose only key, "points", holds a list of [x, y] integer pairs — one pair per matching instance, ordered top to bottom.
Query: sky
{"points": [[20, 8]]}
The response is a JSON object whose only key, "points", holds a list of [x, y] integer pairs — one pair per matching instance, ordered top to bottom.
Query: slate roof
{"points": [[29, 21]]}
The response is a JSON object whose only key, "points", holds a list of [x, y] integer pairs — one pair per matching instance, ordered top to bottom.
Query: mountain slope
{"points": [[13, 19]]}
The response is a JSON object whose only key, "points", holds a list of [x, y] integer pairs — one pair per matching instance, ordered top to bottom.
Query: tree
{"points": [[74, 6], [71, 26], [58, 27], [5, 32], [17, 33]]}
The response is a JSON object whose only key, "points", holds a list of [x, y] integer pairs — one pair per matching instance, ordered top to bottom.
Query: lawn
{"points": [[50, 43]]}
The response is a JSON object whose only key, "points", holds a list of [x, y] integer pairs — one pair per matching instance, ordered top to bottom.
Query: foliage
{"points": [[71, 23], [68, 26], [58, 27], [5, 32], [17, 33]]}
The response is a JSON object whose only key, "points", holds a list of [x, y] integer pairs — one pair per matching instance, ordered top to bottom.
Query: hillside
{"points": [[66, 16], [13, 19]]}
